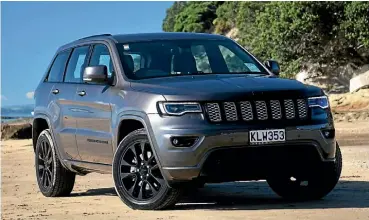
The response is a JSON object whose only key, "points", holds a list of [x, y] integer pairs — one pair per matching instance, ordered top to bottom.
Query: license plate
{"points": [[267, 136]]}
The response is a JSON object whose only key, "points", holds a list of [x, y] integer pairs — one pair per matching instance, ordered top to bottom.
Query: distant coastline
{"points": [[10, 114]]}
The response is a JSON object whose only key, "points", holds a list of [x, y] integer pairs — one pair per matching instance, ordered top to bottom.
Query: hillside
{"points": [[323, 43]]}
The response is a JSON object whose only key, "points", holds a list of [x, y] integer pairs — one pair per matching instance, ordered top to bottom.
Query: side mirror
{"points": [[273, 66], [95, 74]]}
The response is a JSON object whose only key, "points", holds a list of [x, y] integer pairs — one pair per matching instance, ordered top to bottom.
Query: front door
{"points": [[94, 134]]}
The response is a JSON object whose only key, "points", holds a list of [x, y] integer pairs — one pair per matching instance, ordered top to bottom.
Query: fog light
{"points": [[329, 133], [175, 141], [183, 141]]}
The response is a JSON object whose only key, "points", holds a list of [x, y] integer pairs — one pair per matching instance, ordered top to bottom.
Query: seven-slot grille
{"points": [[257, 110]]}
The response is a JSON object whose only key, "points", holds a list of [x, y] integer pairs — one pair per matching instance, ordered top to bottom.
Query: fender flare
{"points": [[141, 117]]}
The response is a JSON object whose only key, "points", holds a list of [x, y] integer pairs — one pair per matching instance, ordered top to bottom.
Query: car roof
{"points": [[165, 36], [128, 38]]}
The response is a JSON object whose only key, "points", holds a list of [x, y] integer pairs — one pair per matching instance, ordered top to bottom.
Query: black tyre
{"points": [[137, 176], [52, 178], [315, 187]]}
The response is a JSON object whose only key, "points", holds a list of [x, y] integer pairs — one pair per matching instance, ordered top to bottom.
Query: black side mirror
{"points": [[273, 66], [95, 74]]}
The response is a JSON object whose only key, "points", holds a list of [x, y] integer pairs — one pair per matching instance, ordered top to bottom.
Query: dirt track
{"points": [[94, 197]]}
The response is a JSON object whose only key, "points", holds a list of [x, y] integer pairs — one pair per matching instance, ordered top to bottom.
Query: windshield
{"points": [[163, 58]]}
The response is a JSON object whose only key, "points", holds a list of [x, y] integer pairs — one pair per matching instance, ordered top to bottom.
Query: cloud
{"points": [[30, 95], [3, 98]]}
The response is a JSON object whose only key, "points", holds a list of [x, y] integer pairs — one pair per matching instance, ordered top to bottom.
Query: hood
{"points": [[223, 87]]}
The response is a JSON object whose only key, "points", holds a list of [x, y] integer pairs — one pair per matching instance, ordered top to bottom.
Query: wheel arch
{"points": [[135, 119], [40, 123]]}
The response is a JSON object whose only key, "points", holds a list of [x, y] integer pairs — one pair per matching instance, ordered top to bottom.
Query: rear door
{"points": [[61, 98], [94, 133]]}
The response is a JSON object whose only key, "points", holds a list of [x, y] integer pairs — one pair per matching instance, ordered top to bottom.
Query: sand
{"points": [[94, 196]]}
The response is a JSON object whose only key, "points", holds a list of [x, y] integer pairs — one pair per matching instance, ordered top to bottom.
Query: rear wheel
{"points": [[137, 176], [52, 178], [314, 187]]}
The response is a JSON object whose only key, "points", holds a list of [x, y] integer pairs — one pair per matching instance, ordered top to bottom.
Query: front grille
{"points": [[275, 107], [230, 108], [290, 108], [262, 110], [246, 111], [214, 112]]}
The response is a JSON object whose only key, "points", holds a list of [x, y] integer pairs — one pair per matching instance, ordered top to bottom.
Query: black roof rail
{"points": [[98, 35]]}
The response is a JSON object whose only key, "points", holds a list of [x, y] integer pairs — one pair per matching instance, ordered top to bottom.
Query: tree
{"points": [[172, 12], [294, 33]]}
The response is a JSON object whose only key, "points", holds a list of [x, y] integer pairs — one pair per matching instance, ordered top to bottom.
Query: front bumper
{"points": [[184, 164]]}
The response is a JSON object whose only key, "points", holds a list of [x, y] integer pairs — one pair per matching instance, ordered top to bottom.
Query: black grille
{"points": [[257, 110]]}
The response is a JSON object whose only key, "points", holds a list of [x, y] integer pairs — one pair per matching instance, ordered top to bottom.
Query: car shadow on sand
{"points": [[258, 196]]}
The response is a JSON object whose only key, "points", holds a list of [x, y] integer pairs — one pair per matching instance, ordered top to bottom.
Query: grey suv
{"points": [[168, 112]]}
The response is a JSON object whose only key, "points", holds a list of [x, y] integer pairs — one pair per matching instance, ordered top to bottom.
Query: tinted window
{"points": [[101, 56], [163, 58], [76, 65], [57, 69]]}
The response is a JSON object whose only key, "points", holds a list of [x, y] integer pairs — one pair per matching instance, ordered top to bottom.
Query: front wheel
{"points": [[137, 176], [315, 187]]}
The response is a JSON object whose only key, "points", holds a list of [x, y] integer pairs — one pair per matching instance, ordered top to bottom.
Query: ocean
{"points": [[14, 113]]}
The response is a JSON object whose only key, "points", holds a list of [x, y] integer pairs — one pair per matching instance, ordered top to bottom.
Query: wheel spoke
{"points": [[142, 145], [43, 149], [133, 149], [49, 153], [39, 156], [49, 160], [149, 161], [123, 162], [156, 166], [126, 175], [44, 177], [49, 177], [158, 180], [132, 189], [153, 189], [140, 193]]}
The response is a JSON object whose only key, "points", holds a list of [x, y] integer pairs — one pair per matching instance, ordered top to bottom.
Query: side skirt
{"points": [[84, 167]]}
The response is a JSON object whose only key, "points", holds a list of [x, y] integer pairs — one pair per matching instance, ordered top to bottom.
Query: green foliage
{"points": [[172, 12], [191, 17], [226, 18], [356, 23], [294, 33]]}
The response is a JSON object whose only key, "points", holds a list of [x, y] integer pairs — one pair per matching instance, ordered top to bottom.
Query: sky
{"points": [[31, 32]]}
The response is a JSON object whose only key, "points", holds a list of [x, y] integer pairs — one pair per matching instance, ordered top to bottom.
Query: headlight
{"points": [[321, 101], [176, 108]]}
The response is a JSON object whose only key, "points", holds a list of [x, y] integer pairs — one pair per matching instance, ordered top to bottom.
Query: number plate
{"points": [[267, 136]]}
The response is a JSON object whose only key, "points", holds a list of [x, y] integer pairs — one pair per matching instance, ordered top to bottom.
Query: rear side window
{"points": [[76, 65], [57, 69]]}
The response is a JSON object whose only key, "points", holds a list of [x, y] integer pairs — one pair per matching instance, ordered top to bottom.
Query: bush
{"points": [[294, 33]]}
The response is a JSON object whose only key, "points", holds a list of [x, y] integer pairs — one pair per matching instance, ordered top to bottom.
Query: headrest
{"points": [[184, 63], [128, 64]]}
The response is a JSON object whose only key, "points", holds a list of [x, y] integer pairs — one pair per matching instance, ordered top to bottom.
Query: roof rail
{"points": [[98, 35]]}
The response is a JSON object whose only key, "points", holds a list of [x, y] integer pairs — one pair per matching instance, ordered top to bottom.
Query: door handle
{"points": [[55, 91], [81, 93]]}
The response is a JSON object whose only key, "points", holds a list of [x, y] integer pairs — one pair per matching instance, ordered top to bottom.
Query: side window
{"points": [[101, 56], [201, 58], [234, 63], [76, 65], [57, 69]]}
